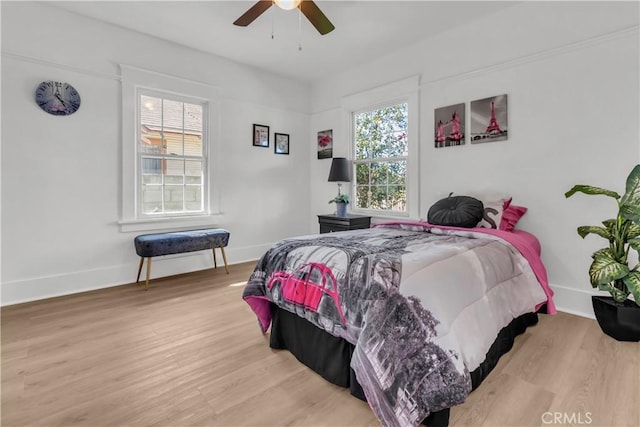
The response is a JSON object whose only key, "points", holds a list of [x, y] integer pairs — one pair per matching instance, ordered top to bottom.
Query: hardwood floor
{"points": [[189, 352]]}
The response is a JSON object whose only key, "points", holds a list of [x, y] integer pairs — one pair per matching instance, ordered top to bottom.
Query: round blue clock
{"points": [[57, 98]]}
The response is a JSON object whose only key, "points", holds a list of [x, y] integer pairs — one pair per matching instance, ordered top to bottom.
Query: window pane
{"points": [[150, 125], [173, 126], [365, 129], [192, 130], [381, 133], [394, 134], [174, 143], [151, 171], [193, 172], [397, 172], [174, 173], [362, 173], [378, 174], [193, 190], [362, 196], [378, 197], [173, 198], [193, 198], [397, 198], [151, 199], [315, 276], [328, 282]]}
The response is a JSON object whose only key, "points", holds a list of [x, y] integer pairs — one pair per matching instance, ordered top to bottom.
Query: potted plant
{"points": [[341, 201], [611, 270]]}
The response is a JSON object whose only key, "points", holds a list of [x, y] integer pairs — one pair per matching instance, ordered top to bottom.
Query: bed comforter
{"points": [[421, 304]]}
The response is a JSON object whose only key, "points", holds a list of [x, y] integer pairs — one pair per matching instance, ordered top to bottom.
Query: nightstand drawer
{"points": [[331, 223]]}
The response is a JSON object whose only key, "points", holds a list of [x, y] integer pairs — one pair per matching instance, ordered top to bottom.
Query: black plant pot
{"points": [[618, 320]]}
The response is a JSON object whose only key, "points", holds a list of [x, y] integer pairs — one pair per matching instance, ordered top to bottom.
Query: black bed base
{"points": [[330, 356]]}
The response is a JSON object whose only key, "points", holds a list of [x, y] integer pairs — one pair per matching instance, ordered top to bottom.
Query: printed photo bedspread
{"points": [[413, 299]]}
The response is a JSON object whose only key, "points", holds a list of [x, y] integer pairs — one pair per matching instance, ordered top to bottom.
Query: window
{"points": [[383, 135], [171, 155], [380, 158], [170, 173]]}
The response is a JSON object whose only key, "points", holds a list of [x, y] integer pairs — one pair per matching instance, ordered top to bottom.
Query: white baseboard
{"points": [[37, 288], [574, 301]]}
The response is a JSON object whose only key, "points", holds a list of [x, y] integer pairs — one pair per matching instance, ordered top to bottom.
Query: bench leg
{"points": [[224, 257], [215, 260], [140, 269], [146, 283]]}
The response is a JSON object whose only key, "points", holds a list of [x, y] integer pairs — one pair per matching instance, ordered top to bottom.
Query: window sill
{"points": [[168, 223]]}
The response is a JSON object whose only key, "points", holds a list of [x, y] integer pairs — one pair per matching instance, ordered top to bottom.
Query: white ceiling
{"points": [[364, 29]]}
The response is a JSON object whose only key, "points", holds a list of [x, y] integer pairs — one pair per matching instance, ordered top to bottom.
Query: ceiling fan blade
{"points": [[250, 15], [316, 17]]}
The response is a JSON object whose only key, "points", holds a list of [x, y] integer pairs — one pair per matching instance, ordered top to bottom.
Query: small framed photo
{"points": [[260, 136], [281, 145]]}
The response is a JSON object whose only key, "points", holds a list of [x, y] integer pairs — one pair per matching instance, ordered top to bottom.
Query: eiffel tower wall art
{"points": [[489, 119], [449, 126]]}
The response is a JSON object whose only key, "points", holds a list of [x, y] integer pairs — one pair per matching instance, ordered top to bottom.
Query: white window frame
{"points": [[137, 82], [399, 92]]}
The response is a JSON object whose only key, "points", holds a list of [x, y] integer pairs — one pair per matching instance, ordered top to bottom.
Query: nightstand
{"points": [[330, 223]]}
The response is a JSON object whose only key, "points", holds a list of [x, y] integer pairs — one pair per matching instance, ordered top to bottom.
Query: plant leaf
{"points": [[587, 189], [630, 202], [631, 211], [592, 229], [633, 231], [635, 244], [605, 269], [633, 284], [606, 287]]}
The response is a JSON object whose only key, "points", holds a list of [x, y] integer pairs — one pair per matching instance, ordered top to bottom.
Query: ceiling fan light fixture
{"points": [[287, 4], [308, 8]]}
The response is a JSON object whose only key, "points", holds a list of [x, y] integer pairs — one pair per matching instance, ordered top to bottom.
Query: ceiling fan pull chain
{"points": [[272, 24], [299, 29]]}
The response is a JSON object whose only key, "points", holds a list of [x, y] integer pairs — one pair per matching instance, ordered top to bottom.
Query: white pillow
{"points": [[493, 210]]}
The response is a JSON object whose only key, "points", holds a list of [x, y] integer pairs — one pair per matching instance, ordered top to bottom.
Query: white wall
{"points": [[571, 70], [56, 242]]}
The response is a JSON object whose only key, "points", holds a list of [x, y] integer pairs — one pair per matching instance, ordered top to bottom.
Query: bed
{"points": [[408, 315]]}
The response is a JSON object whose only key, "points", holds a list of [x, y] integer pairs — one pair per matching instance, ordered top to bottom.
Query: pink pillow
{"points": [[511, 216]]}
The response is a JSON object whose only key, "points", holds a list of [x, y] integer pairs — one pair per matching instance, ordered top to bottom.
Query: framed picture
{"points": [[489, 119], [448, 125], [260, 135], [325, 144], [281, 145]]}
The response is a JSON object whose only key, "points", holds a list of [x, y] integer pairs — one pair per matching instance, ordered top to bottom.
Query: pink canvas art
{"points": [[489, 119], [449, 125], [325, 144]]}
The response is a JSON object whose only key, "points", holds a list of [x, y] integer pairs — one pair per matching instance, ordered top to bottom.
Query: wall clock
{"points": [[57, 98]]}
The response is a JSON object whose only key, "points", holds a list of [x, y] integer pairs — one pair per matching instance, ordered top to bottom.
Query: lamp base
{"points": [[341, 209]]}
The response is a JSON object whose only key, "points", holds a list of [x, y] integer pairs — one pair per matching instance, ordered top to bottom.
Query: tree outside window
{"points": [[381, 155]]}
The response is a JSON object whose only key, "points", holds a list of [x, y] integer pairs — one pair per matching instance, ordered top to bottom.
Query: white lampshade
{"points": [[287, 4]]}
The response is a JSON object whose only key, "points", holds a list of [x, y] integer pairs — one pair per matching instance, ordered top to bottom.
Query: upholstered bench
{"points": [[150, 245]]}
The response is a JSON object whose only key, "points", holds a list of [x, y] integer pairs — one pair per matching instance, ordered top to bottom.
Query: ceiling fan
{"points": [[307, 7]]}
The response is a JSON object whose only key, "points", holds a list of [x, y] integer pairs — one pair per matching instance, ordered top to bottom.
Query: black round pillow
{"points": [[456, 211]]}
